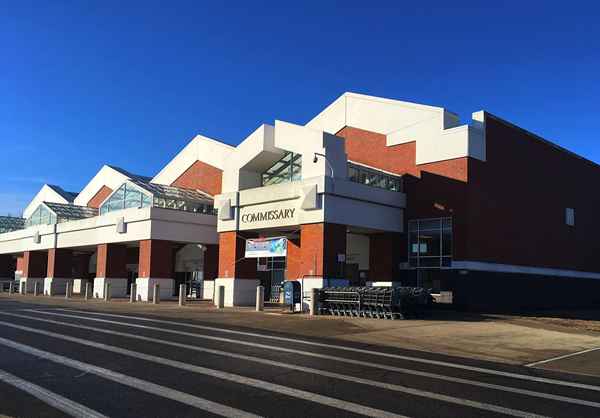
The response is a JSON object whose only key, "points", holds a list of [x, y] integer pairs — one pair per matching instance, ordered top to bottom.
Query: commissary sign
{"points": [[268, 215]]}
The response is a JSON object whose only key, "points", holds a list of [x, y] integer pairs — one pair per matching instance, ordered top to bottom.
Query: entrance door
{"points": [[271, 273]]}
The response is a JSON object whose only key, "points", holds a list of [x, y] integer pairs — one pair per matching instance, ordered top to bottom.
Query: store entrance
{"points": [[271, 273]]}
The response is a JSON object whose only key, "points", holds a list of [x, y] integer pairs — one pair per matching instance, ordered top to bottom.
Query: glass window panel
{"points": [[145, 201], [430, 225], [447, 242], [429, 244], [433, 262]]}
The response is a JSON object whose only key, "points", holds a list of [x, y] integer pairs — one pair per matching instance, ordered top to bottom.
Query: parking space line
{"points": [[353, 349], [562, 357], [231, 377], [519, 391], [165, 392], [55, 400]]}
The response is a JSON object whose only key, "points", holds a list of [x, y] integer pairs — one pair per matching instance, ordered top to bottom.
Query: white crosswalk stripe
{"points": [[350, 349], [312, 370], [256, 383], [149, 387], [55, 400]]}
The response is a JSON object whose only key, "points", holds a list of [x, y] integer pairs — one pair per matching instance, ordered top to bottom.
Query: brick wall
{"points": [[201, 176], [99, 197], [517, 201], [320, 245], [156, 259], [111, 261], [60, 263], [35, 264], [232, 264]]}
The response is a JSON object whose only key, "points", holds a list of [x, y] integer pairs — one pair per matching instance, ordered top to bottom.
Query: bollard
{"points": [[10, 288], [23, 288], [36, 289], [68, 290], [182, 290], [88, 292], [106, 292], [132, 293], [156, 294], [221, 297], [260, 298], [314, 301]]}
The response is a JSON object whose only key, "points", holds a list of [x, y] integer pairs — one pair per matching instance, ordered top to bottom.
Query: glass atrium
{"points": [[288, 168], [140, 194], [48, 213]]}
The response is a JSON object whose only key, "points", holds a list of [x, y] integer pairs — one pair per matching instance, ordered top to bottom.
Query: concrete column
{"points": [[156, 266], [111, 267], [11, 288], [36, 289], [182, 289], [68, 290], [88, 290], [107, 292], [132, 293], [156, 294], [220, 296], [260, 298], [314, 301]]}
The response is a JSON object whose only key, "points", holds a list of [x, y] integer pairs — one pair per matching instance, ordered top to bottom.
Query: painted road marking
{"points": [[362, 351], [562, 357], [318, 371], [231, 377], [165, 392], [55, 400]]}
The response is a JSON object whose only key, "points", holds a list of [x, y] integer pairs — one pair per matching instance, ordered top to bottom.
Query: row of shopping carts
{"points": [[374, 302]]}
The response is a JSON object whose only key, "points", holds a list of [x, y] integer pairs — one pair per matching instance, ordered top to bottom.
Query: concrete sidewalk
{"points": [[509, 339]]}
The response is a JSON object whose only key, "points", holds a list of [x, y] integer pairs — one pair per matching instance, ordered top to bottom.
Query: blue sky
{"points": [[88, 83]]}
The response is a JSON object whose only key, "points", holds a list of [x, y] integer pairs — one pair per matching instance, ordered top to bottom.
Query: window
{"points": [[288, 168], [374, 178], [125, 197], [41, 216], [570, 216], [430, 243]]}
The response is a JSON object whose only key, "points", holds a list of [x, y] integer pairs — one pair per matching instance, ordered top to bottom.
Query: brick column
{"points": [[320, 245], [386, 250], [211, 262], [156, 266], [35, 268], [111, 268], [59, 271], [236, 273]]}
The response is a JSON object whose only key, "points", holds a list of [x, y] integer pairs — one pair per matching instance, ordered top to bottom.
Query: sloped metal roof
{"points": [[172, 192], [68, 196], [64, 211], [11, 223]]}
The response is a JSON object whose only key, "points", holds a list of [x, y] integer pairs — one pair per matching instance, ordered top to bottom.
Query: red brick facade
{"points": [[201, 176], [99, 197], [320, 245], [386, 251], [156, 259], [111, 261], [211, 262], [60, 263], [35, 264], [232, 264]]}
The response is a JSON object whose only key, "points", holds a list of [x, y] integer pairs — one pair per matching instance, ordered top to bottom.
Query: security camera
{"points": [[315, 159]]}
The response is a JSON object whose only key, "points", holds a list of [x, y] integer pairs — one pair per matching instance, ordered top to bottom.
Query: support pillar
{"points": [[156, 266], [111, 267], [35, 269], [59, 271], [211, 271], [236, 274]]}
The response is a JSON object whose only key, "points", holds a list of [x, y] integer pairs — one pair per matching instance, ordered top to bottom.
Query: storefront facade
{"points": [[370, 190]]}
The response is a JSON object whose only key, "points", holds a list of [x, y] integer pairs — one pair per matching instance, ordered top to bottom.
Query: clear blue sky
{"points": [[83, 83]]}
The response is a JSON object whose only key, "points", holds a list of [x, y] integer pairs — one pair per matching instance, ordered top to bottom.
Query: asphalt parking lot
{"points": [[64, 360]]}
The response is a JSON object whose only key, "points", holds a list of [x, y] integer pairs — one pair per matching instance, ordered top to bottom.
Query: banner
{"points": [[266, 247]]}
